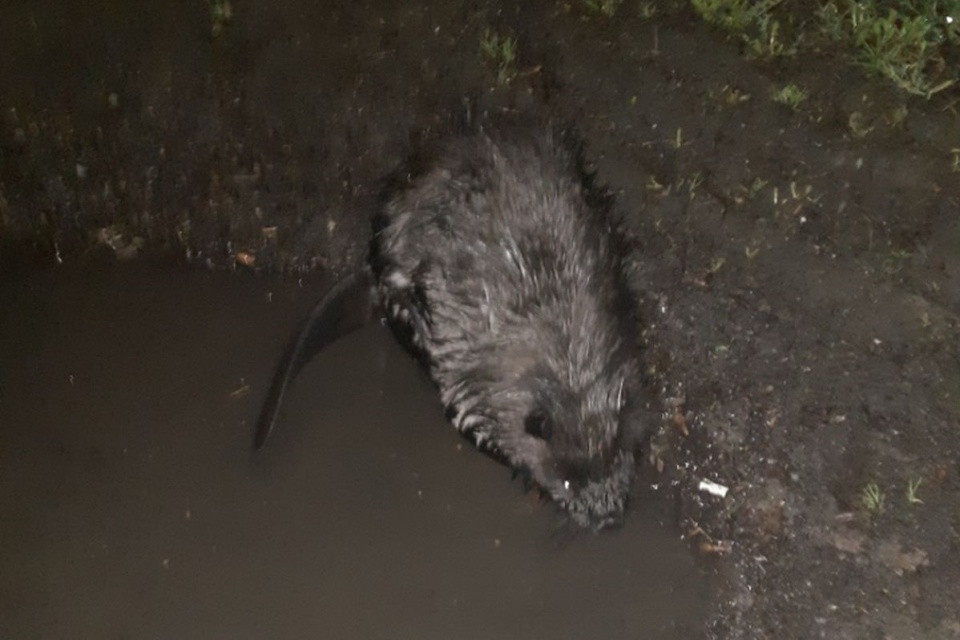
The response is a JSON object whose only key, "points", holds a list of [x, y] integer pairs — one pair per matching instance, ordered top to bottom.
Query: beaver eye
{"points": [[537, 425], [566, 485]]}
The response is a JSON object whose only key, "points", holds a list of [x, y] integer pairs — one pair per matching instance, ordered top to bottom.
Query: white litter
{"points": [[713, 488]]}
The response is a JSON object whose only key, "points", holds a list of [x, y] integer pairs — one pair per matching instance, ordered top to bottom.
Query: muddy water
{"points": [[132, 506]]}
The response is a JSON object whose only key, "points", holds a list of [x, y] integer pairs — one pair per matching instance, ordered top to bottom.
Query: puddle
{"points": [[133, 506]]}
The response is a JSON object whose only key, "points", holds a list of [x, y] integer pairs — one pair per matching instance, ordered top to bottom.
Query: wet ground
{"points": [[800, 273], [133, 506]]}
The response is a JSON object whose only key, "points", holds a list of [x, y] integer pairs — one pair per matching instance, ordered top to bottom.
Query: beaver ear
{"points": [[538, 425]]}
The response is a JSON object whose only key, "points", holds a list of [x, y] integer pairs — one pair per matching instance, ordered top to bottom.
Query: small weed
{"points": [[606, 8], [220, 15], [733, 15], [831, 21], [768, 43], [501, 52], [790, 95], [729, 96], [897, 117], [858, 125], [678, 139], [955, 163], [696, 179], [755, 186], [749, 192], [797, 194], [895, 261], [912, 487], [872, 498]]}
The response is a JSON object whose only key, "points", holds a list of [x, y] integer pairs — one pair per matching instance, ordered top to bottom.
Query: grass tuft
{"points": [[605, 8], [221, 13], [753, 20], [903, 41], [914, 44], [501, 52], [790, 96], [913, 486], [872, 498]]}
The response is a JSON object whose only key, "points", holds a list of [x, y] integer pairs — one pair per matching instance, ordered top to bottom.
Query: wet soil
{"points": [[800, 271], [133, 506]]}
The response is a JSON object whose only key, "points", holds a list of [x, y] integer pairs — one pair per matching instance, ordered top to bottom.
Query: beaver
{"points": [[496, 260]]}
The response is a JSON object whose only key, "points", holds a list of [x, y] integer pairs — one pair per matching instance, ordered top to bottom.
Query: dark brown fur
{"points": [[500, 264]]}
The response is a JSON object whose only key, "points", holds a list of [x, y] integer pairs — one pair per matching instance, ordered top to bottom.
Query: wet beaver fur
{"points": [[499, 263]]}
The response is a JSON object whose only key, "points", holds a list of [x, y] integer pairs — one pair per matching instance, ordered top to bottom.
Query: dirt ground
{"points": [[800, 269]]}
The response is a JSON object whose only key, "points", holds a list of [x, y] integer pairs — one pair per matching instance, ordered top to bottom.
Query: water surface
{"points": [[133, 507]]}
